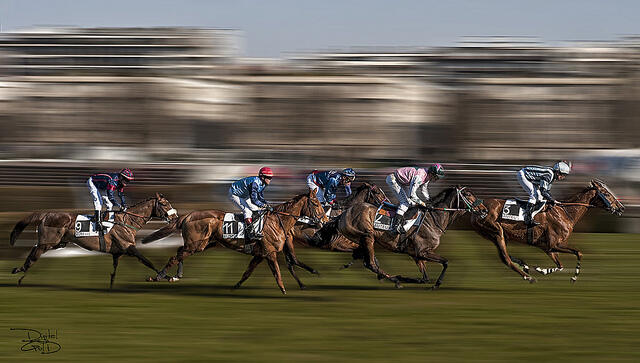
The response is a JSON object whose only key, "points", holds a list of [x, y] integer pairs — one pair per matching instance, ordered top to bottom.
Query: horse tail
{"points": [[23, 223], [165, 231]]}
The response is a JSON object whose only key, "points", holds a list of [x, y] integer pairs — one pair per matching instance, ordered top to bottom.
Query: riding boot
{"points": [[98, 218], [528, 219], [397, 227], [248, 230]]}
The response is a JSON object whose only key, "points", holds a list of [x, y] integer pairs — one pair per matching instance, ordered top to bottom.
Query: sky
{"points": [[274, 28]]}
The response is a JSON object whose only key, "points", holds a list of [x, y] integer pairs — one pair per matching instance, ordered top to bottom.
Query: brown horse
{"points": [[56, 229], [203, 229], [551, 236], [419, 242]]}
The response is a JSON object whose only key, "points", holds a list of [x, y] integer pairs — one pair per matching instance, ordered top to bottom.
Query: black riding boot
{"points": [[98, 218], [528, 219], [398, 224]]}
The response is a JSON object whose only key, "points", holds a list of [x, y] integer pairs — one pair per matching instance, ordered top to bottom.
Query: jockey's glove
{"points": [[268, 208]]}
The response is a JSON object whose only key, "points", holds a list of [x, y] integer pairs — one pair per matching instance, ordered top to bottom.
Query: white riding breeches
{"points": [[311, 178], [532, 191], [401, 193], [98, 200], [245, 205]]}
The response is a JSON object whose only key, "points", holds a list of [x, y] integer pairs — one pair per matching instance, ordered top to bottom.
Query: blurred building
{"points": [[181, 102]]}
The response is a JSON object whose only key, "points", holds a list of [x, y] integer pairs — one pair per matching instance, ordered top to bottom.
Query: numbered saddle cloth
{"points": [[514, 209], [385, 214], [86, 225], [233, 225]]}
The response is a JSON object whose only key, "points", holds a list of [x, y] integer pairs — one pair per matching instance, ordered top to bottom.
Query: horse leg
{"points": [[133, 251], [577, 253], [181, 254], [33, 256], [504, 256], [433, 257], [116, 258], [292, 258], [255, 261], [371, 262], [422, 266], [525, 266], [291, 268], [275, 270], [550, 270], [179, 273]]}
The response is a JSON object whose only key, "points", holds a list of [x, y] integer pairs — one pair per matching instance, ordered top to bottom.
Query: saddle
{"points": [[514, 209], [387, 212], [85, 225], [233, 225]]}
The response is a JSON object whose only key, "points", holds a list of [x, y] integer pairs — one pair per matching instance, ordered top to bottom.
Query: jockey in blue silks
{"points": [[325, 183], [247, 194]]}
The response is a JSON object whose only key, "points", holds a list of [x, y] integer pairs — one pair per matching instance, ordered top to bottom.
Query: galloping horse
{"points": [[357, 224], [56, 229], [203, 229], [551, 236]]}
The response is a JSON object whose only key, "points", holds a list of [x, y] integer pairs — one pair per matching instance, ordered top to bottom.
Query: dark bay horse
{"points": [[556, 224], [56, 229], [203, 229], [420, 242]]}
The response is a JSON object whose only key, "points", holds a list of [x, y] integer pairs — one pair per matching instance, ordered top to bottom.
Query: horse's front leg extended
{"points": [[504, 255], [371, 262]]}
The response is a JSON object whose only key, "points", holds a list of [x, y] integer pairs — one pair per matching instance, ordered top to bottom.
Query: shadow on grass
{"points": [[175, 289]]}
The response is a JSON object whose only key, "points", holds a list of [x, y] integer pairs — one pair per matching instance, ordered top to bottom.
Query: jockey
{"points": [[536, 181], [109, 182], [325, 183], [405, 183], [247, 194]]}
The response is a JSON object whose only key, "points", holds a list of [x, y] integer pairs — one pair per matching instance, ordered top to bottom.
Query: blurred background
{"points": [[190, 113]]}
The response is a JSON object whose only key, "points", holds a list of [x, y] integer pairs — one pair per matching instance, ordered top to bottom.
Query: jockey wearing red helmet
{"points": [[247, 194]]}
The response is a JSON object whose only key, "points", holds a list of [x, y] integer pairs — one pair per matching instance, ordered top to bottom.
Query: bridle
{"points": [[468, 205], [169, 213], [314, 220]]}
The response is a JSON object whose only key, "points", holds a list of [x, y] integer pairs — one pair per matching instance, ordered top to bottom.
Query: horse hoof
{"points": [[15, 270], [315, 272], [151, 279], [173, 279], [574, 279], [236, 286], [399, 286], [302, 287], [435, 287], [284, 292]]}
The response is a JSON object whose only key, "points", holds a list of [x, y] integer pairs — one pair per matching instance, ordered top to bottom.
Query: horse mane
{"points": [[361, 187], [442, 196], [141, 202], [284, 206]]}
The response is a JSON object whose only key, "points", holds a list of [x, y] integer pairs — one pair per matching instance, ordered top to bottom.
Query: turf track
{"points": [[483, 312]]}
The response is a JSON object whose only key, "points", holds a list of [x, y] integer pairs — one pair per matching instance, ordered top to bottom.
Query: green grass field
{"points": [[483, 312]]}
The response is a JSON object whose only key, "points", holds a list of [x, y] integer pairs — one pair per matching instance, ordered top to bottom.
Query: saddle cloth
{"points": [[514, 209], [384, 218], [86, 225], [233, 225]]}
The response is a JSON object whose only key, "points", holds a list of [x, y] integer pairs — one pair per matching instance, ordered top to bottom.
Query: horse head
{"points": [[461, 198], [605, 198], [162, 208], [313, 209]]}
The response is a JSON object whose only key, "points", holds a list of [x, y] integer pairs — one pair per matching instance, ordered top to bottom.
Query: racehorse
{"points": [[56, 229], [203, 229], [301, 234], [551, 236], [420, 241]]}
